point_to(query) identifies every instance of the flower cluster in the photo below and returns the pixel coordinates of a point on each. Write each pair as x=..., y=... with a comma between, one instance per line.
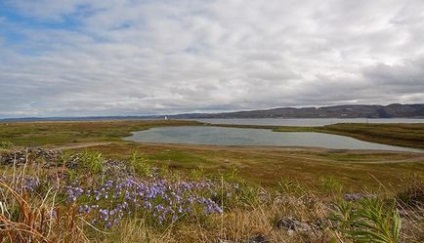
x=160, y=200
x=22, y=184
x=105, y=204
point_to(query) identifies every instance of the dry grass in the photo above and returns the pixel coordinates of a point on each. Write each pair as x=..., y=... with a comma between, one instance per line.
x=136, y=230
x=356, y=170
x=254, y=213
x=407, y=135
x=314, y=179
x=26, y=218
x=59, y=133
x=264, y=165
x=244, y=224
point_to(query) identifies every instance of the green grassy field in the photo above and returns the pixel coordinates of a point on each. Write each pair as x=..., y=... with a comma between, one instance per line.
x=273, y=183
x=257, y=164
x=406, y=135
x=59, y=133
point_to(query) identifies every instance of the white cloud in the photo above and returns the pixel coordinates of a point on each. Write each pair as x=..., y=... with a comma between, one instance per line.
x=135, y=57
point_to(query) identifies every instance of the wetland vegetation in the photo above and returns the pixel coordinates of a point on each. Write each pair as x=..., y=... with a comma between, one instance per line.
x=94, y=186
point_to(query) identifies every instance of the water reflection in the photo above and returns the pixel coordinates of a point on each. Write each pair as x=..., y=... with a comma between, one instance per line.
x=258, y=137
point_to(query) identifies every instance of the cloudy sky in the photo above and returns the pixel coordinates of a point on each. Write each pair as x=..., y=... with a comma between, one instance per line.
x=135, y=57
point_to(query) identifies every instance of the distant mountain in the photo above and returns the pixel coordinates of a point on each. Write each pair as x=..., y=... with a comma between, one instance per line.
x=83, y=118
x=340, y=111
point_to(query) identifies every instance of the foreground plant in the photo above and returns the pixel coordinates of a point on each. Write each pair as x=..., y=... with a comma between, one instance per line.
x=139, y=203
x=30, y=215
x=139, y=165
x=371, y=220
x=92, y=160
x=5, y=145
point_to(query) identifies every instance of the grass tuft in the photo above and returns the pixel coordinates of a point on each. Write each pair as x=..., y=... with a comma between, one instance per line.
x=369, y=220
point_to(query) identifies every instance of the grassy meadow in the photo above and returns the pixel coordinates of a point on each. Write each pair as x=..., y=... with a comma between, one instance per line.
x=97, y=187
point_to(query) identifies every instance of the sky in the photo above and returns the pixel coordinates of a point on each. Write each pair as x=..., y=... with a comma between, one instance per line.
x=140, y=57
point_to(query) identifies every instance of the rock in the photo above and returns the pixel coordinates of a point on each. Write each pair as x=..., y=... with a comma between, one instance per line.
x=116, y=167
x=320, y=224
x=305, y=227
x=35, y=156
x=404, y=213
x=287, y=223
x=356, y=196
x=13, y=158
x=257, y=239
x=226, y=241
x=50, y=158
x=290, y=224
x=353, y=196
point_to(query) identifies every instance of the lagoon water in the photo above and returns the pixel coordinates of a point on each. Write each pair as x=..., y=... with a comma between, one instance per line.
x=307, y=121
x=255, y=137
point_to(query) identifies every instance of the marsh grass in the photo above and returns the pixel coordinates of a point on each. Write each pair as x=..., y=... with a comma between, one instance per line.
x=411, y=204
x=6, y=145
x=92, y=161
x=45, y=133
x=139, y=164
x=307, y=166
x=79, y=205
x=292, y=187
x=413, y=195
x=31, y=210
x=407, y=135
x=136, y=230
x=369, y=220
x=330, y=184
x=245, y=183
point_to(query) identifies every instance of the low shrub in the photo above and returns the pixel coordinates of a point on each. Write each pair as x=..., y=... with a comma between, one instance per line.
x=369, y=220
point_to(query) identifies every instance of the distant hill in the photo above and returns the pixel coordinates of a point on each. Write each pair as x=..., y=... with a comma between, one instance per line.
x=82, y=118
x=340, y=111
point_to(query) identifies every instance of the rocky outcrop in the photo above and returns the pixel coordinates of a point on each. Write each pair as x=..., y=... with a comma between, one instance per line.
x=30, y=155
x=52, y=158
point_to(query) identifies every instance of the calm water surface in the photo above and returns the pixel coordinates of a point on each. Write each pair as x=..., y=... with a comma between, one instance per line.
x=306, y=122
x=258, y=137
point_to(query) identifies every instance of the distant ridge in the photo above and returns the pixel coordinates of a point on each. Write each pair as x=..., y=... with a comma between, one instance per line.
x=340, y=111
x=87, y=118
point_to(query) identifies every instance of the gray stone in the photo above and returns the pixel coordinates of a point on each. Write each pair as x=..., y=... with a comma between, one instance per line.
x=353, y=196
x=288, y=223
x=257, y=239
